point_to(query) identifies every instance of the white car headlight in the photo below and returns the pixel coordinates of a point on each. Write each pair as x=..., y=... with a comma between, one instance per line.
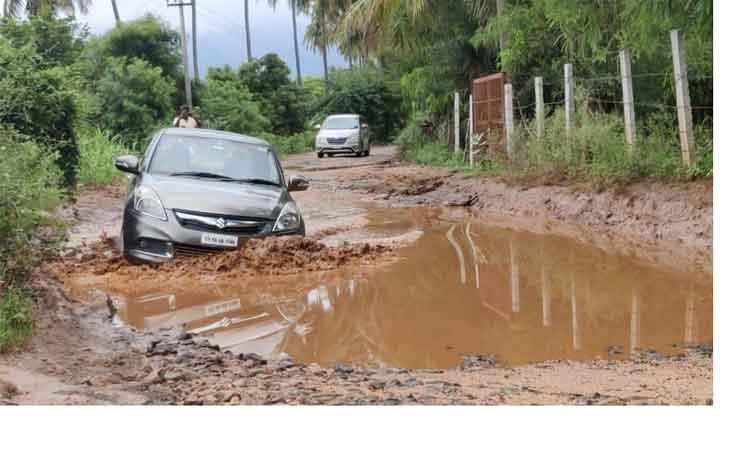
x=289, y=218
x=321, y=141
x=146, y=202
x=353, y=139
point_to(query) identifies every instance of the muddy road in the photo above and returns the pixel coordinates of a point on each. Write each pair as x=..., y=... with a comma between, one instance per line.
x=414, y=286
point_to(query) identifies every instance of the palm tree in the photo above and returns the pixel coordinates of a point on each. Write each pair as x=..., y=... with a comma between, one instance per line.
x=14, y=8
x=322, y=29
x=294, y=4
x=116, y=11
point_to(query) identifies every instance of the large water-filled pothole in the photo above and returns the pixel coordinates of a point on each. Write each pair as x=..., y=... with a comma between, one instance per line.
x=463, y=287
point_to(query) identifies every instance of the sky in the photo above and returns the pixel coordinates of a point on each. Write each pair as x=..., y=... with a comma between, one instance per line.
x=221, y=30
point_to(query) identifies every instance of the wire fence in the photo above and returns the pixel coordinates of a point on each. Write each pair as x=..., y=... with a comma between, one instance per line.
x=594, y=89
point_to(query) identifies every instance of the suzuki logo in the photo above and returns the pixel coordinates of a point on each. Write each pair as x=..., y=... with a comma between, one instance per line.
x=221, y=223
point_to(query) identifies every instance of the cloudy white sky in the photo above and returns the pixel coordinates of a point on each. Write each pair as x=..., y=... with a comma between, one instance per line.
x=221, y=30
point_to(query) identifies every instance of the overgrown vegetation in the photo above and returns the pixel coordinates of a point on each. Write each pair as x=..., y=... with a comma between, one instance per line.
x=29, y=185
x=99, y=149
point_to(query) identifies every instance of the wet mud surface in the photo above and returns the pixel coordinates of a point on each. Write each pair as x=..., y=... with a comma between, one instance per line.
x=408, y=291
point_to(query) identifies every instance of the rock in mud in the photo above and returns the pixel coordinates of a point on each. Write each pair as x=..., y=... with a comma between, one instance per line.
x=8, y=390
x=343, y=370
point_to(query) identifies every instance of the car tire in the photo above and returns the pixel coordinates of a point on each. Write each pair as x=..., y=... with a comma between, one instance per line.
x=367, y=152
x=320, y=155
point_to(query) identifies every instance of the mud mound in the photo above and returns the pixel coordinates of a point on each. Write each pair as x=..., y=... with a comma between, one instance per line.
x=272, y=256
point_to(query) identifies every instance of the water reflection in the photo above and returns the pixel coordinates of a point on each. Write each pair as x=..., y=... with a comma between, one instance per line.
x=578, y=302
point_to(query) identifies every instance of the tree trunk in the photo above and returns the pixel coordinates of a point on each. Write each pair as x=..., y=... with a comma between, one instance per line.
x=117, y=13
x=500, y=6
x=296, y=44
x=325, y=47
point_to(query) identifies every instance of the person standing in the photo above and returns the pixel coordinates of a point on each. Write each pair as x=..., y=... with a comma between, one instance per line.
x=185, y=119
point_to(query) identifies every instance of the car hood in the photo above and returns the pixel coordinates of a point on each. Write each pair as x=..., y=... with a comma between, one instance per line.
x=337, y=133
x=215, y=197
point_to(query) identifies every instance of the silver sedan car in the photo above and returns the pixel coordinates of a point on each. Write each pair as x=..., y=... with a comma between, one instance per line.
x=343, y=134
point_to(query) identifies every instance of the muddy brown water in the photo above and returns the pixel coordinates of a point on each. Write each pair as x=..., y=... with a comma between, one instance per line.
x=464, y=287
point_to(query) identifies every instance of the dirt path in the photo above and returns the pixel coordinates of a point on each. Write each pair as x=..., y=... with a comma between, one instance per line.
x=78, y=357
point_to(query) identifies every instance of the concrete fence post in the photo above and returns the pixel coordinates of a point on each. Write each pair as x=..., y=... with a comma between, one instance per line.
x=569, y=99
x=682, y=90
x=627, y=98
x=456, y=122
x=471, y=130
x=539, y=94
x=509, y=119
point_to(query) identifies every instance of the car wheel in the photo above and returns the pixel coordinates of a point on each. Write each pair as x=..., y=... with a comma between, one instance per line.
x=367, y=152
x=320, y=155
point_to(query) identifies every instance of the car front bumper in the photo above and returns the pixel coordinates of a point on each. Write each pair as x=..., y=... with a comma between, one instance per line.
x=150, y=239
x=334, y=148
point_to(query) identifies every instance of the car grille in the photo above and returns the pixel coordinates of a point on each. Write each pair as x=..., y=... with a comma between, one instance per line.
x=183, y=250
x=337, y=141
x=245, y=226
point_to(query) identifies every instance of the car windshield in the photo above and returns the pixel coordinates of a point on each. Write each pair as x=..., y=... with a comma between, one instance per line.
x=214, y=158
x=341, y=123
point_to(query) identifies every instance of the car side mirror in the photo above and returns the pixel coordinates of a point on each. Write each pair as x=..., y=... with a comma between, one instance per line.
x=298, y=183
x=317, y=126
x=127, y=163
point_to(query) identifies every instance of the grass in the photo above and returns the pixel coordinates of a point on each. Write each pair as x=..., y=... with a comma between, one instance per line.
x=288, y=145
x=16, y=319
x=595, y=153
x=99, y=149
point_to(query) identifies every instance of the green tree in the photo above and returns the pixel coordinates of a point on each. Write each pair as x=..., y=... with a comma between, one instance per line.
x=227, y=105
x=58, y=42
x=147, y=38
x=14, y=8
x=368, y=93
x=281, y=101
x=136, y=97
x=39, y=103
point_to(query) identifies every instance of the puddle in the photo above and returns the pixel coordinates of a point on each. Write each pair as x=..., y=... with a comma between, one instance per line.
x=461, y=288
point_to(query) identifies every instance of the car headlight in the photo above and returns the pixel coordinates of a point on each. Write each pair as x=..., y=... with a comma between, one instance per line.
x=353, y=140
x=321, y=141
x=146, y=202
x=289, y=219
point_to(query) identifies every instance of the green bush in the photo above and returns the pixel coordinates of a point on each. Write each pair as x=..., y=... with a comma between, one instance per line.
x=366, y=92
x=16, y=319
x=135, y=97
x=296, y=143
x=40, y=103
x=228, y=106
x=28, y=186
x=99, y=149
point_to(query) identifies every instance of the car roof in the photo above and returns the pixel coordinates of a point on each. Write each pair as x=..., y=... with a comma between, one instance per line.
x=343, y=115
x=215, y=134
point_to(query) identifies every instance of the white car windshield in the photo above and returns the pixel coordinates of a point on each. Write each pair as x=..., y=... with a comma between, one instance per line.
x=213, y=158
x=341, y=123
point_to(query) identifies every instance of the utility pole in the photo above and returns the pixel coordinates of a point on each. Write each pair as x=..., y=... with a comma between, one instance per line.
x=196, y=75
x=247, y=32
x=185, y=67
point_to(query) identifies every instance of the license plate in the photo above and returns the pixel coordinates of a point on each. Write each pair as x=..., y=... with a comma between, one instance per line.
x=219, y=240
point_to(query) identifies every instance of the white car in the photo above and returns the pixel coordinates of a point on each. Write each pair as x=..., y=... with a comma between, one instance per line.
x=343, y=134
